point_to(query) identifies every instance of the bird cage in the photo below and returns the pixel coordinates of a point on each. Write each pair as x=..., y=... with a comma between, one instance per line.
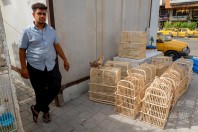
x=131, y=86
x=135, y=46
x=105, y=75
x=171, y=76
x=103, y=83
x=142, y=71
x=96, y=75
x=9, y=109
x=133, y=36
x=127, y=106
x=152, y=69
x=160, y=69
x=164, y=85
x=132, y=54
x=187, y=65
x=175, y=74
x=162, y=60
x=157, y=102
x=124, y=66
x=177, y=71
x=128, y=93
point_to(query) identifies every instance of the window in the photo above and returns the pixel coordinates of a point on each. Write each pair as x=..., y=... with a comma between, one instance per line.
x=195, y=13
x=174, y=13
x=180, y=12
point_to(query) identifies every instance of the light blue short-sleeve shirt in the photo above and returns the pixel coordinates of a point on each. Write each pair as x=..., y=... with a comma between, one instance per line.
x=39, y=45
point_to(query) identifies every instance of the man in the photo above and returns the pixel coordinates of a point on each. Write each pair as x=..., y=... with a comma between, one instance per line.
x=38, y=46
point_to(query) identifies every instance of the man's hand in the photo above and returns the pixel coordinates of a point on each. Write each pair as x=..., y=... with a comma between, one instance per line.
x=66, y=65
x=25, y=73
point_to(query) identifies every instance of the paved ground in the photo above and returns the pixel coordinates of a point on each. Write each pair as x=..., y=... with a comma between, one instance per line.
x=82, y=115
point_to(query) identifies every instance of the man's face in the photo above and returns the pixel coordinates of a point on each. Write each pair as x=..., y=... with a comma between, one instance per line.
x=40, y=16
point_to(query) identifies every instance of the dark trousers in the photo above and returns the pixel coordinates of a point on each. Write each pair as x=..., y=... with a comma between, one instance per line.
x=46, y=85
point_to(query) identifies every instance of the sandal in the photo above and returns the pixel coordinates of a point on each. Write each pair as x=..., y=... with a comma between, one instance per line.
x=34, y=113
x=46, y=117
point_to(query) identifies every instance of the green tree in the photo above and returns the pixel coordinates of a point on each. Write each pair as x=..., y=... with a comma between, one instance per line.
x=183, y=25
x=192, y=25
x=167, y=25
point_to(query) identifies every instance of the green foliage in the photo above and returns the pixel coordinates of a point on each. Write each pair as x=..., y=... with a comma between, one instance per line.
x=167, y=25
x=190, y=25
x=183, y=25
x=176, y=25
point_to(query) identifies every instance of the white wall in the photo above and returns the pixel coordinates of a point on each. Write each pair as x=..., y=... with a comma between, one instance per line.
x=16, y=15
x=90, y=28
x=86, y=28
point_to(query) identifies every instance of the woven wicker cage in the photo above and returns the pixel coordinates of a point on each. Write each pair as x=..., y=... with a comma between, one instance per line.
x=187, y=65
x=131, y=85
x=132, y=54
x=155, y=114
x=160, y=69
x=105, y=75
x=102, y=97
x=157, y=102
x=159, y=92
x=146, y=72
x=162, y=60
x=130, y=110
x=176, y=75
x=124, y=66
x=128, y=95
x=133, y=45
x=103, y=83
x=133, y=36
x=177, y=71
x=152, y=69
x=109, y=90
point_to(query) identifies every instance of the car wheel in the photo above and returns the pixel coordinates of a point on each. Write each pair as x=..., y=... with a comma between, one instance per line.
x=172, y=54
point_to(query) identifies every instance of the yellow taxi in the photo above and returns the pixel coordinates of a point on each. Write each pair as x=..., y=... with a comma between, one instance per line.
x=168, y=31
x=173, y=48
x=195, y=32
x=182, y=32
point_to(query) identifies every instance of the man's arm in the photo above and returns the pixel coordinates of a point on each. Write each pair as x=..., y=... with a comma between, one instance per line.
x=62, y=55
x=22, y=57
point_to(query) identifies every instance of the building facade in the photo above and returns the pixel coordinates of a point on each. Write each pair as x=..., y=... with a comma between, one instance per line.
x=178, y=10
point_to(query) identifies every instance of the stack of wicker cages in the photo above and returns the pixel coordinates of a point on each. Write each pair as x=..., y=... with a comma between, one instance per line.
x=124, y=66
x=128, y=95
x=176, y=75
x=187, y=64
x=147, y=70
x=130, y=91
x=156, y=103
x=161, y=63
x=103, y=83
x=133, y=45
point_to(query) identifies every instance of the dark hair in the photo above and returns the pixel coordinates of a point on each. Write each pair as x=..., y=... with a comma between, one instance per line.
x=39, y=6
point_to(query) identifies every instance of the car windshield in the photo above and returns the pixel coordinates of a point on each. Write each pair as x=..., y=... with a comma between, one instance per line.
x=163, y=37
